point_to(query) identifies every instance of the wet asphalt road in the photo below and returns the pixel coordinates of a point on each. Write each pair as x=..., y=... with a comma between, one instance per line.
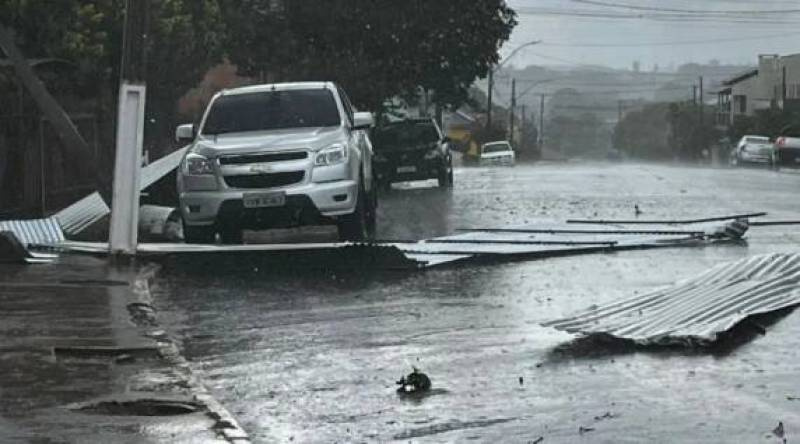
x=314, y=358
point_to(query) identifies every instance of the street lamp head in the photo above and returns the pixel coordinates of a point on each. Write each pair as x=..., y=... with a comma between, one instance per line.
x=515, y=52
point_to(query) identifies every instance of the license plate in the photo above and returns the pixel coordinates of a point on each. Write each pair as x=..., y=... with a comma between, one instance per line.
x=407, y=169
x=265, y=200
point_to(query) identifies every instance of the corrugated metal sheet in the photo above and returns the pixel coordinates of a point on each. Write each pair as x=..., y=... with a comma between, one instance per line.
x=161, y=167
x=697, y=310
x=34, y=232
x=80, y=215
x=13, y=251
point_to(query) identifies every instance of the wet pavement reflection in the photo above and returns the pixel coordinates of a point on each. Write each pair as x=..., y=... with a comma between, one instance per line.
x=314, y=357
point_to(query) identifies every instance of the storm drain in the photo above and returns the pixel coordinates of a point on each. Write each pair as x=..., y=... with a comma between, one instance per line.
x=140, y=407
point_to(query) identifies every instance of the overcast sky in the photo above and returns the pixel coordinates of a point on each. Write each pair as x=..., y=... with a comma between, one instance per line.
x=663, y=32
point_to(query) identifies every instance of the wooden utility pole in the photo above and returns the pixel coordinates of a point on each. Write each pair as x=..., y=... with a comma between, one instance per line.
x=702, y=103
x=513, y=107
x=522, y=124
x=694, y=95
x=783, y=89
x=489, y=99
x=541, y=122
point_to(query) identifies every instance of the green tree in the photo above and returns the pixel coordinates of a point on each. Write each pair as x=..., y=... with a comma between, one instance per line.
x=185, y=39
x=645, y=133
x=376, y=50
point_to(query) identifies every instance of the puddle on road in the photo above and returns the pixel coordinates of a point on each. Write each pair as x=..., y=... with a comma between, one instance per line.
x=140, y=407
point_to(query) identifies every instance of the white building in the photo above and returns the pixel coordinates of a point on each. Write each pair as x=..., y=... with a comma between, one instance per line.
x=776, y=83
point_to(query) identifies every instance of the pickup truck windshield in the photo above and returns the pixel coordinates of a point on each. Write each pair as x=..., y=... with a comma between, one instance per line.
x=406, y=134
x=272, y=110
x=496, y=148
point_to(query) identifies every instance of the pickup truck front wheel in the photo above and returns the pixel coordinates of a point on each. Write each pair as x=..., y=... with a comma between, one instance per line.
x=356, y=226
x=199, y=235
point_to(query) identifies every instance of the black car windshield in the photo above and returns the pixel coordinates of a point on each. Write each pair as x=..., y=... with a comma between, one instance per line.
x=406, y=134
x=272, y=110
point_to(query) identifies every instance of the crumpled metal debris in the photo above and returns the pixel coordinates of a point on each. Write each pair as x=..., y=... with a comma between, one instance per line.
x=696, y=311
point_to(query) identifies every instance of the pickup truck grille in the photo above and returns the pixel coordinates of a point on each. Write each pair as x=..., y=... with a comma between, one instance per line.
x=245, y=159
x=257, y=181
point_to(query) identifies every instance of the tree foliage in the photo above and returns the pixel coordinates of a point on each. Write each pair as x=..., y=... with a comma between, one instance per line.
x=377, y=49
x=663, y=131
x=581, y=135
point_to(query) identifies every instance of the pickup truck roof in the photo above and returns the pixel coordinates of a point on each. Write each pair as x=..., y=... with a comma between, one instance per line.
x=278, y=87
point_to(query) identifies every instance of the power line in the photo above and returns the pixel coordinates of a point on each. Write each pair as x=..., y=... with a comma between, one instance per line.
x=657, y=16
x=673, y=43
x=689, y=11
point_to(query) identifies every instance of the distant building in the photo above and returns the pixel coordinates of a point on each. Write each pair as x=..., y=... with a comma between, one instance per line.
x=775, y=84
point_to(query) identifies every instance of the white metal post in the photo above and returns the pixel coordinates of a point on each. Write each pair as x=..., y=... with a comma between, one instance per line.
x=130, y=136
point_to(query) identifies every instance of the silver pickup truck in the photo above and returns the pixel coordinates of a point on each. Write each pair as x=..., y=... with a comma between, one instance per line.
x=277, y=156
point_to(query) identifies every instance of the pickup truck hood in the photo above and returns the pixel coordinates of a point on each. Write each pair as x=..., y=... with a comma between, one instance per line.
x=409, y=147
x=266, y=141
x=500, y=154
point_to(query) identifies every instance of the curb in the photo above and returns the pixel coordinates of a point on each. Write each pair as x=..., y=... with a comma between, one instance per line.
x=143, y=312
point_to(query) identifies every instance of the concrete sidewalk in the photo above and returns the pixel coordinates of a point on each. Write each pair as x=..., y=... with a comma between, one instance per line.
x=82, y=360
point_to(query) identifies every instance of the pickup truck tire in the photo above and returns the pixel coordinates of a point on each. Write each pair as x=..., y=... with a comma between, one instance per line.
x=450, y=180
x=199, y=235
x=354, y=227
x=445, y=176
x=231, y=234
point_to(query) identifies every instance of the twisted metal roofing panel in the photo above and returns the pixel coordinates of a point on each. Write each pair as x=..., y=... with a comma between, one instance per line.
x=34, y=232
x=80, y=215
x=697, y=310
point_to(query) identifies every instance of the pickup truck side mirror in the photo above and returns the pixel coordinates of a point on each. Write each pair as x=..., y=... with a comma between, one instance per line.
x=363, y=121
x=185, y=133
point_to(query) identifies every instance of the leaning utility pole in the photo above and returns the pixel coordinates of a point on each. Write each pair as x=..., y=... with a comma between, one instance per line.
x=65, y=129
x=123, y=235
x=513, y=107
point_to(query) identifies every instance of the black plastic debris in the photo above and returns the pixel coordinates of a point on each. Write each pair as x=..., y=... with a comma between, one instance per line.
x=415, y=383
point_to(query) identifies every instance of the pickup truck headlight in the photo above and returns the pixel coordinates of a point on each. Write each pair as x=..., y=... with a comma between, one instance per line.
x=333, y=155
x=433, y=154
x=197, y=165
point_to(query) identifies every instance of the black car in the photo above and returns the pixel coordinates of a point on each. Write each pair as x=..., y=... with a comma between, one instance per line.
x=412, y=149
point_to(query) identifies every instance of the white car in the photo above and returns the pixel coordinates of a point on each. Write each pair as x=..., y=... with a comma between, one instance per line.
x=277, y=156
x=753, y=149
x=497, y=153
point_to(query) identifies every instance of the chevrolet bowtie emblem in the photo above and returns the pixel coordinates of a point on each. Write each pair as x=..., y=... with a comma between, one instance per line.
x=260, y=169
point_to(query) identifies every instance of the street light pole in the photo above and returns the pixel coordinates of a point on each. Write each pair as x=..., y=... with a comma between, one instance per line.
x=513, y=108
x=489, y=104
x=491, y=78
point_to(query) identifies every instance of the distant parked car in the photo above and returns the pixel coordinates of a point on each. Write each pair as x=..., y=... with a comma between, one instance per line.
x=786, y=152
x=413, y=149
x=497, y=153
x=753, y=150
